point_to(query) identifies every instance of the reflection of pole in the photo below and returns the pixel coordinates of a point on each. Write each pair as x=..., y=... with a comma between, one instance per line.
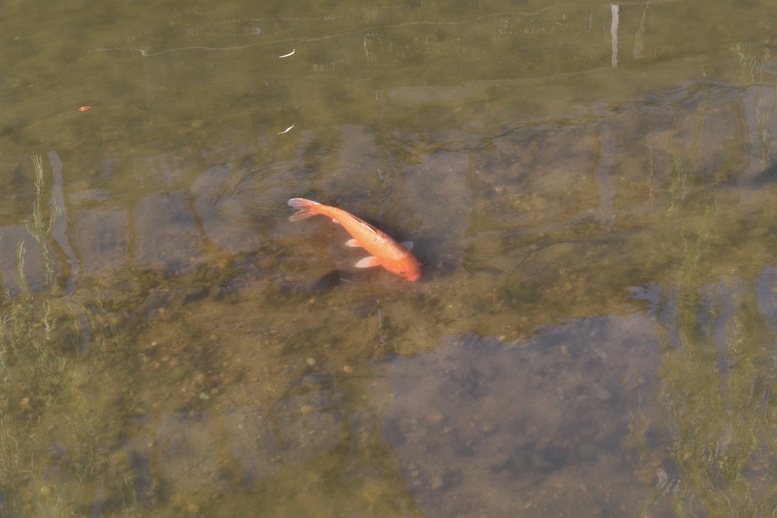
x=614, y=33
x=59, y=231
x=638, y=42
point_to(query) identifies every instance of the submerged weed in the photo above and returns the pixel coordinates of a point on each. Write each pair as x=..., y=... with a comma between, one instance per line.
x=678, y=187
x=54, y=434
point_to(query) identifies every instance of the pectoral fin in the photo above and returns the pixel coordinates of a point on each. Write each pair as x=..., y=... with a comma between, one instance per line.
x=407, y=244
x=368, y=262
x=353, y=243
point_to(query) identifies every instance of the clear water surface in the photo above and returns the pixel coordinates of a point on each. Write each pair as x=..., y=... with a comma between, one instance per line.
x=591, y=191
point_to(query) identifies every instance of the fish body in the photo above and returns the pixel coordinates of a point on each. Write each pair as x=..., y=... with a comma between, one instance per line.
x=384, y=251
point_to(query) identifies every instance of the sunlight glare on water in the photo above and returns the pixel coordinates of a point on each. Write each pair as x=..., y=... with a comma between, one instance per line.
x=590, y=190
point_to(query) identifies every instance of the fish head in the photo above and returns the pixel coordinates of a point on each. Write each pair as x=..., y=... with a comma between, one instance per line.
x=407, y=268
x=413, y=277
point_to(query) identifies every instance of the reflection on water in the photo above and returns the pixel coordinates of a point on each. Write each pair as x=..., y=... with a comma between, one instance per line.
x=594, y=329
x=485, y=428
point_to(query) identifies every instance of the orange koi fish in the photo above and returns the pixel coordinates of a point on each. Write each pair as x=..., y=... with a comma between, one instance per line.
x=385, y=251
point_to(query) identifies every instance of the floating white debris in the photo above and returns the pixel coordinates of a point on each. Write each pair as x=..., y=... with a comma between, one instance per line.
x=287, y=55
x=286, y=130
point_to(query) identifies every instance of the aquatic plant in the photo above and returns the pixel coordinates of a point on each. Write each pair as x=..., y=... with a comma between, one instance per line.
x=54, y=437
x=714, y=408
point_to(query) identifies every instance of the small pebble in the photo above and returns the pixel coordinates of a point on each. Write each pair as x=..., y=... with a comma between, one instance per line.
x=602, y=393
x=268, y=262
x=435, y=418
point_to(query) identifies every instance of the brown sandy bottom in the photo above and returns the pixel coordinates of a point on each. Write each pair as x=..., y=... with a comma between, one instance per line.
x=536, y=428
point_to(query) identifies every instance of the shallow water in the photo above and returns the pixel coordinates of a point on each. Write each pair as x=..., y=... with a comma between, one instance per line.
x=590, y=189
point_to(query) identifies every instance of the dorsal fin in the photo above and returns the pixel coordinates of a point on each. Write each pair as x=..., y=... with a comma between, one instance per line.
x=364, y=223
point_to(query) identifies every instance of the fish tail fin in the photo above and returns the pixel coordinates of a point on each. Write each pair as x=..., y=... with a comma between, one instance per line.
x=305, y=208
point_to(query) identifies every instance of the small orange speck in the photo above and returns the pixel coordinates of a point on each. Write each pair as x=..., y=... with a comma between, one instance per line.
x=84, y=108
